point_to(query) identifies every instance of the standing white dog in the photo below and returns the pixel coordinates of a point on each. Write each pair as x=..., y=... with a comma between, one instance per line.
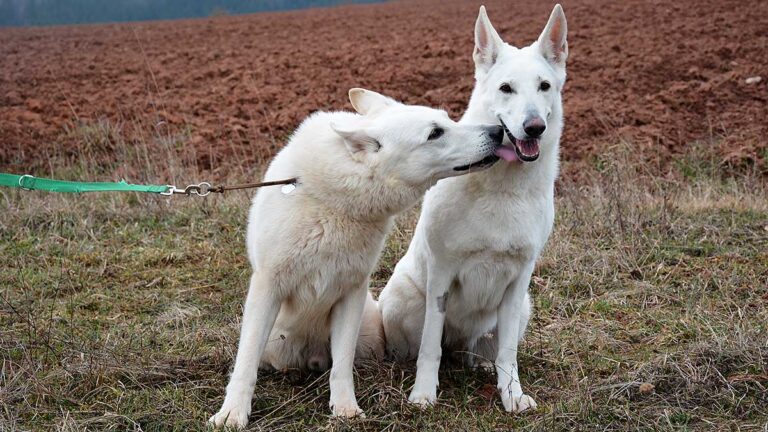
x=467, y=270
x=313, y=249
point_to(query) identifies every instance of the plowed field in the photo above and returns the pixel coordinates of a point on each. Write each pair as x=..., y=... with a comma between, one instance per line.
x=660, y=74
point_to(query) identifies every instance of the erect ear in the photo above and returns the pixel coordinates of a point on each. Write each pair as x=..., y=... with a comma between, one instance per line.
x=368, y=102
x=487, y=42
x=355, y=135
x=552, y=42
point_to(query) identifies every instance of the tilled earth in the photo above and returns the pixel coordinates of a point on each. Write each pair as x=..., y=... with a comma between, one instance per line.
x=658, y=74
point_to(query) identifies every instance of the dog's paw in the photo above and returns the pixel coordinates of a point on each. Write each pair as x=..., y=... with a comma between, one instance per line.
x=231, y=417
x=348, y=410
x=518, y=404
x=485, y=366
x=422, y=399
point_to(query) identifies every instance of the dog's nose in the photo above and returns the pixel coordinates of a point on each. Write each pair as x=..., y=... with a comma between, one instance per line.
x=534, y=127
x=496, y=133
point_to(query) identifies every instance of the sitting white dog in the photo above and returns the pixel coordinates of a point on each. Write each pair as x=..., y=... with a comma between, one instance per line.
x=467, y=270
x=313, y=248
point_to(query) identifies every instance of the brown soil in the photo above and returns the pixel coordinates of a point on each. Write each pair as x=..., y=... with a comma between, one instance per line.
x=662, y=74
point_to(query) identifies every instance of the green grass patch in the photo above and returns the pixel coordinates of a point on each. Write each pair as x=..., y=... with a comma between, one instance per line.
x=121, y=312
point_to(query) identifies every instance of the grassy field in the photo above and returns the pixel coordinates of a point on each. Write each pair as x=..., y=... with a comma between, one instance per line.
x=121, y=312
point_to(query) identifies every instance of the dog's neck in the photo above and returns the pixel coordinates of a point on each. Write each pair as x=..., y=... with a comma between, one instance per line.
x=363, y=195
x=517, y=177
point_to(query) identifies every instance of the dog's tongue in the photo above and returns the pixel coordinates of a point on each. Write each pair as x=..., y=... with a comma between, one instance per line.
x=506, y=153
x=529, y=147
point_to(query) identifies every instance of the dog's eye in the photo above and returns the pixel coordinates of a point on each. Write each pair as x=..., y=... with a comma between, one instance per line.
x=506, y=88
x=544, y=86
x=436, y=133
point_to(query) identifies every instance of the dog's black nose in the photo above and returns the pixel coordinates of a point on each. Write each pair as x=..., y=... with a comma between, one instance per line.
x=496, y=133
x=534, y=127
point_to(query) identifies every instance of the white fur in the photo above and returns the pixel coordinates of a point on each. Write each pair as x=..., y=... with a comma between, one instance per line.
x=313, y=250
x=467, y=269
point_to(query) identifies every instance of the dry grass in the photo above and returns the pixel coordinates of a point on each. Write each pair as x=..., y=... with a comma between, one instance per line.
x=121, y=312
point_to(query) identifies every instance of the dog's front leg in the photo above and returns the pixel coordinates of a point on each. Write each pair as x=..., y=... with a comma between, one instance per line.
x=345, y=327
x=428, y=364
x=510, y=315
x=259, y=313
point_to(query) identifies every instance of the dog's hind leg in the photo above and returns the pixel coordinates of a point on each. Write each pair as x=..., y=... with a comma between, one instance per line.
x=402, y=311
x=345, y=327
x=484, y=352
x=259, y=314
x=486, y=348
x=370, y=341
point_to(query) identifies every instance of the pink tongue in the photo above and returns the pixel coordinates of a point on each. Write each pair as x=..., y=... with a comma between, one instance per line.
x=506, y=153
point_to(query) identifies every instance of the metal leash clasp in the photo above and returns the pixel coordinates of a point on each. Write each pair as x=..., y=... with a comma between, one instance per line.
x=200, y=189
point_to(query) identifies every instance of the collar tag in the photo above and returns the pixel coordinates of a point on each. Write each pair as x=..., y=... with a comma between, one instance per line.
x=287, y=188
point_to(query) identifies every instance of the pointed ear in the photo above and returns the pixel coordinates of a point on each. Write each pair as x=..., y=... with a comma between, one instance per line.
x=368, y=102
x=552, y=42
x=487, y=42
x=355, y=136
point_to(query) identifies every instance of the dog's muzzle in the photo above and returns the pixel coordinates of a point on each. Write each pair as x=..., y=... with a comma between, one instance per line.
x=526, y=150
x=482, y=163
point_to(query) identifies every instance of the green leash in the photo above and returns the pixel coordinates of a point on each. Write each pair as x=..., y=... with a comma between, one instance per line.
x=28, y=182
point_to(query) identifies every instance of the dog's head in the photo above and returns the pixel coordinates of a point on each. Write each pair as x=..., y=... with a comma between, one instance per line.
x=414, y=144
x=521, y=86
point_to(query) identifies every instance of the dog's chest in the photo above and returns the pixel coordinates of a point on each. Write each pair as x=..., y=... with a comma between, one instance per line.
x=496, y=247
x=328, y=259
x=502, y=232
x=483, y=275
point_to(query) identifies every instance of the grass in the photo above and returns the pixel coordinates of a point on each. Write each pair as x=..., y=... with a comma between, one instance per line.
x=121, y=312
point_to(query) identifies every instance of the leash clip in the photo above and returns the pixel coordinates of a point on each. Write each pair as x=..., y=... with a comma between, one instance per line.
x=200, y=189
x=171, y=190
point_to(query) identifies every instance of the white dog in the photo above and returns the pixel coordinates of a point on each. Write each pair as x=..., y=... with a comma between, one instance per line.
x=467, y=270
x=313, y=249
